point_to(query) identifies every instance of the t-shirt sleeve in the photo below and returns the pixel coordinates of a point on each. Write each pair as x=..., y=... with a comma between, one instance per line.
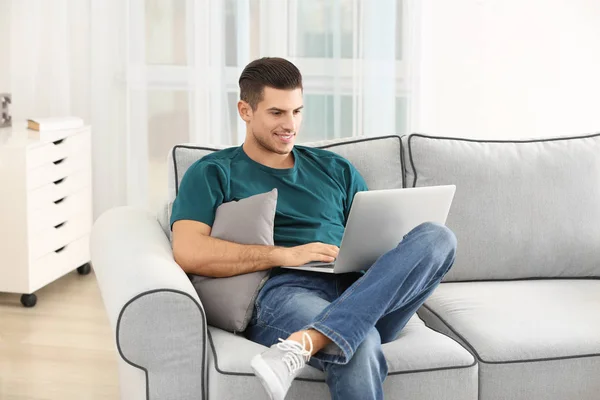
x=201, y=191
x=354, y=183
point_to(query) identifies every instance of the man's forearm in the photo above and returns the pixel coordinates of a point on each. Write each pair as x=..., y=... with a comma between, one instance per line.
x=219, y=258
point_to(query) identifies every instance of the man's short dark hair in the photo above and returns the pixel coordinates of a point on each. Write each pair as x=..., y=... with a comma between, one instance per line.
x=273, y=72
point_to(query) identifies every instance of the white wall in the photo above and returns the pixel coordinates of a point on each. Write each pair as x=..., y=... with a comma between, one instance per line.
x=509, y=68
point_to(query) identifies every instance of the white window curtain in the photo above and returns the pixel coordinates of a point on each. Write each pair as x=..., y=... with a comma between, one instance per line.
x=63, y=57
x=45, y=53
x=185, y=58
x=149, y=74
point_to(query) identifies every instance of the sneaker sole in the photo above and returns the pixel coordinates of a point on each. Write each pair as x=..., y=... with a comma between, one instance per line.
x=268, y=378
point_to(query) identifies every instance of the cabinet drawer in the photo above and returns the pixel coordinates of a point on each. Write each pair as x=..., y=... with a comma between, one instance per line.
x=53, y=213
x=46, y=195
x=55, y=264
x=53, y=172
x=57, y=150
x=53, y=239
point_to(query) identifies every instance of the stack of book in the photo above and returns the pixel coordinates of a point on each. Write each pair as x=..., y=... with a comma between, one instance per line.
x=52, y=128
x=54, y=123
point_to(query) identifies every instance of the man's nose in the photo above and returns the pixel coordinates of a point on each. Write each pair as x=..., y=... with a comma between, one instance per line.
x=289, y=123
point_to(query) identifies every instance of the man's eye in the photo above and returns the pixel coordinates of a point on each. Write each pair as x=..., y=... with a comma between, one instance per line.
x=297, y=112
x=275, y=113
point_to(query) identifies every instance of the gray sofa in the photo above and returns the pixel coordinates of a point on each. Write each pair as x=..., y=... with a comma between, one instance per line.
x=517, y=317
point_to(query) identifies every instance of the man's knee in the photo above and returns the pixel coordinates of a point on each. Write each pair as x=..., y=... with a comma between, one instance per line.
x=437, y=235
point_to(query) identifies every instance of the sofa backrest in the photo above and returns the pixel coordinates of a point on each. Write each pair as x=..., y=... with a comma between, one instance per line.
x=522, y=209
x=378, y=159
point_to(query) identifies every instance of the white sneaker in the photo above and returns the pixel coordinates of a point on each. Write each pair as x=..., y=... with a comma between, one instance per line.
x=278, y=367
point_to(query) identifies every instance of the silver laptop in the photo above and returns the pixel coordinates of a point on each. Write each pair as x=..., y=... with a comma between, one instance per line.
x=379, y=220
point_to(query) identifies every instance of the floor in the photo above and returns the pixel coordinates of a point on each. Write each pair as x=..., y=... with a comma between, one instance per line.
x=60, y=349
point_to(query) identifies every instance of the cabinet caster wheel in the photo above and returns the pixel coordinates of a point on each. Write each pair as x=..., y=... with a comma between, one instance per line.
x=84, y=269
x=28, y=300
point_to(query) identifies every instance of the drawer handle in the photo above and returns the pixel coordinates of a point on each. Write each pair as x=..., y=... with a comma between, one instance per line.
x=60, y=225
x=58, y=182
x=59, y=250
x=60, y=200
x=59, y=142
x=59, y=161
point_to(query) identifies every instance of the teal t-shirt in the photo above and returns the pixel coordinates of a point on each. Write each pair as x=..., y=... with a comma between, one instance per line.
x=314, y=197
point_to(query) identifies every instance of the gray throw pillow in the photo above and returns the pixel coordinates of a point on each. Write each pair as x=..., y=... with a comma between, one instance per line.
x=229, y=302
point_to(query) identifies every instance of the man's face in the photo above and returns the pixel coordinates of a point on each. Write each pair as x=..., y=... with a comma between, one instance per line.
x=276, y=120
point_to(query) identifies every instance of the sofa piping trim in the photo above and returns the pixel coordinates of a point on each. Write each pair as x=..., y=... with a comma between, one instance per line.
x=504, y=362
x=202, y=384
x=220, y=371
x=402, y=164
x=412, y=164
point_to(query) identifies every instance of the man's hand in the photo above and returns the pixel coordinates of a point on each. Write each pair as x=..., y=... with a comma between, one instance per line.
x=300, y=255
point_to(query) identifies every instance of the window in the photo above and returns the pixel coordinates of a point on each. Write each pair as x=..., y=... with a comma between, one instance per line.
x=185, y=59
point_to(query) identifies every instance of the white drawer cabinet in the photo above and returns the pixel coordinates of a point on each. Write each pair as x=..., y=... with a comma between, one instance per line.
x=46, y=208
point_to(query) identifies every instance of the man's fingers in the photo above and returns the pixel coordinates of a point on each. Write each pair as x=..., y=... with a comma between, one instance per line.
x=328, y=249
x=318, y=256
x=333, y=251
x=324, y=258
x=328, y=253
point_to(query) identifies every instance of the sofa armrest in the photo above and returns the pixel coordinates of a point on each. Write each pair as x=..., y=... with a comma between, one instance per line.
x=154, y=311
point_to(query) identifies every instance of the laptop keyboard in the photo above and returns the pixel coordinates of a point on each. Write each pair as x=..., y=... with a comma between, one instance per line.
x=318, y=264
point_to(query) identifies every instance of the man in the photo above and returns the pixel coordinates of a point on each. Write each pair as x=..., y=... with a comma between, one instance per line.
x=336, y=323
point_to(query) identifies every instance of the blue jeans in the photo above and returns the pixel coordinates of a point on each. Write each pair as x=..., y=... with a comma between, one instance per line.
x=357, y=311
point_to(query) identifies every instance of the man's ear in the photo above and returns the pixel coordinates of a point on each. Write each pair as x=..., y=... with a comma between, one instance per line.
x=244, y=110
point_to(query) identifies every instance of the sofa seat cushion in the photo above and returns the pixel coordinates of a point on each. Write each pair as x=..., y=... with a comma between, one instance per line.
x=535, y=339
x=419, y=350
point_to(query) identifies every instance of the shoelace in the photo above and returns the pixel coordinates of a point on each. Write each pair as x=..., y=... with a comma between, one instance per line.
x=296, y=355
